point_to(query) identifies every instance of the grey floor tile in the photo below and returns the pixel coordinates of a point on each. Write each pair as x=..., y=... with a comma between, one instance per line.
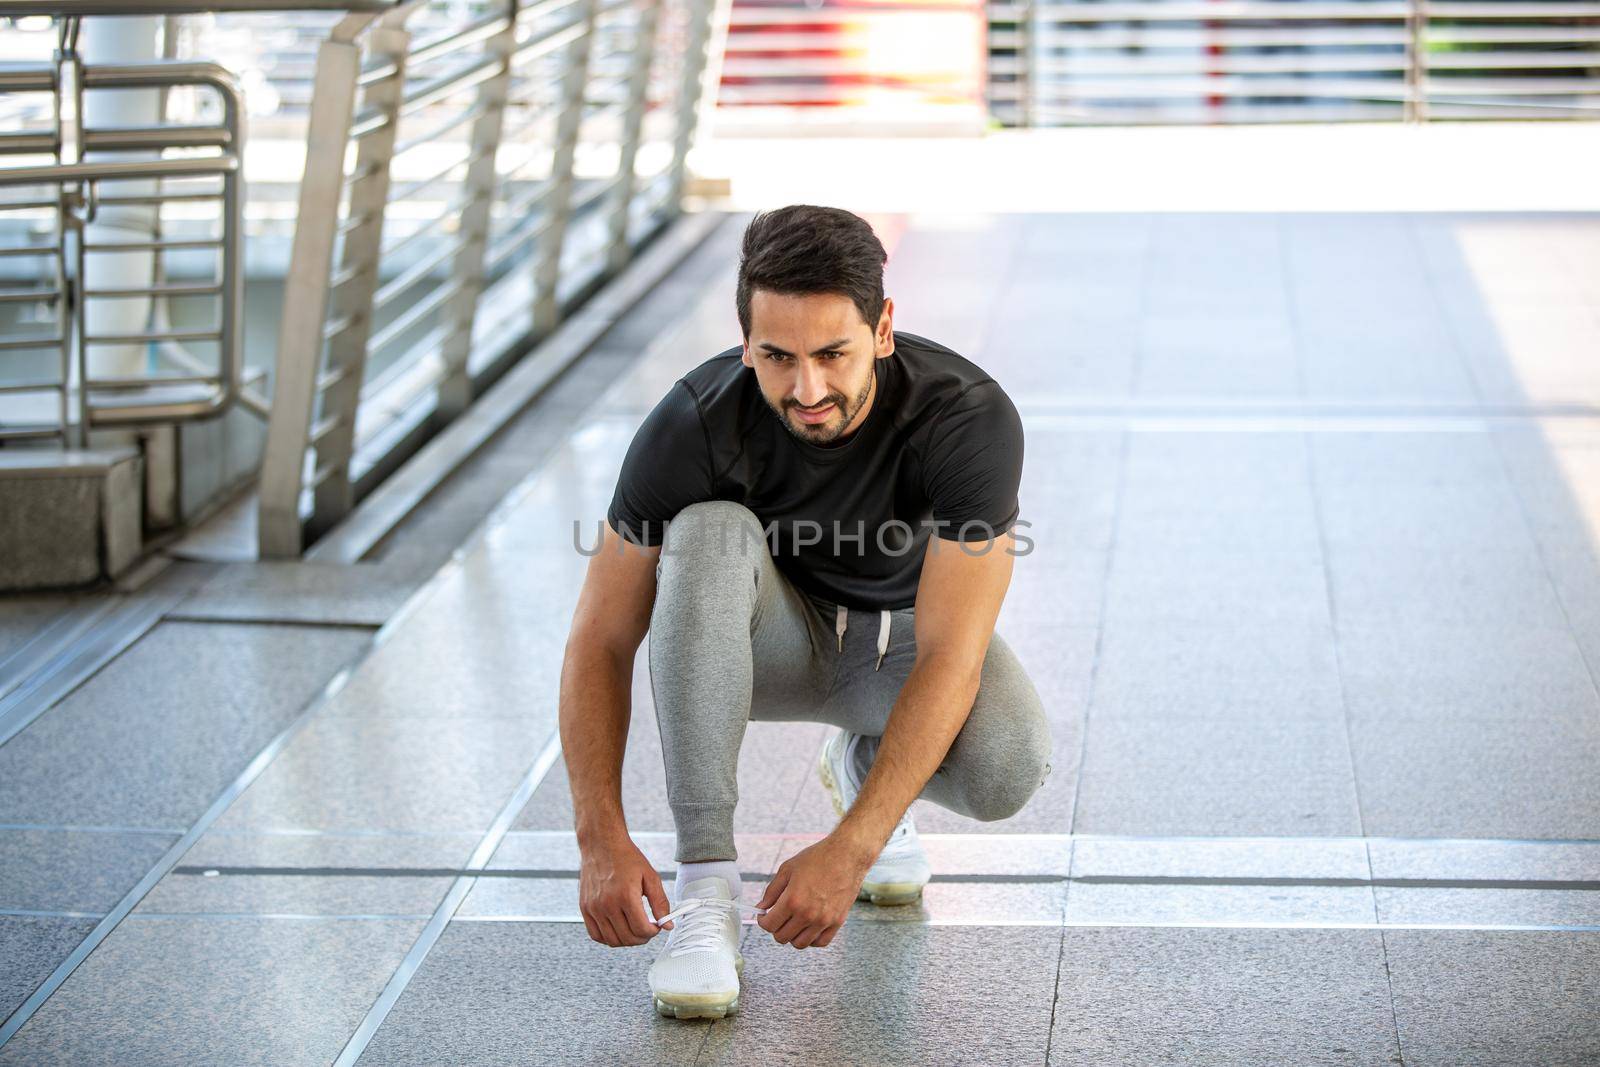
x=333, y=882
x=1216, y=462
x=1504, y=863
x=1464, y=518
x=505, y=993
x=152, y=738
x=361, y=594
x=1235, y=996
x=1138, y=880
x=1219, y=776
x=1217, y=584
x=1393, y=585
x=894, y=993
x=1054, y=589
x=1406, y=460
x=1480, y=996
x=1478, y=778
x=74, y=870
x=1460, y=672
x=391, y=774
x=1169, y=669
x=31, y=948
x=162, y=991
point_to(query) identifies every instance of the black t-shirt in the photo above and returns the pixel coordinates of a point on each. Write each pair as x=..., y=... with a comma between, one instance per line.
x=940, y=450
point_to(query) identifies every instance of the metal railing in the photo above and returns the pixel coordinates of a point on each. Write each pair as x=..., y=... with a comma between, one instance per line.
x=464, y=186
x=1057, y=62
x=61, y=197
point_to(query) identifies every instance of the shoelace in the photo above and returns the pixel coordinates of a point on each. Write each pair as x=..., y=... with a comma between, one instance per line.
x=701, y=927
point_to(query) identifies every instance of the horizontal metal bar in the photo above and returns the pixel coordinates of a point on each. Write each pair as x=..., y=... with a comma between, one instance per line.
x=330, y=378
x=428, y=138
x=28, y=78
x=162, y=198
x=32, y=385
x=26, y=296
x=152, y=246
x=322, y=428
x=430, y=93
x=166, y=289
x=152, y=380
x=401, y=193
x=452, y=212
x=413, y=274
x=30, y=250
x=408, y=319
x=1117, y=37
x=161, y=335
x=74, y=8
x=29, y=143
x=55, y=174
x=139, y=138
x=17, y=344
x=457, y=39
x=550, y=42
x=31, y=433
x=339, y=325
x=373, y=75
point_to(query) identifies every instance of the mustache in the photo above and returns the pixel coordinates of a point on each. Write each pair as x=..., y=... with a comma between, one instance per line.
x=835, y=399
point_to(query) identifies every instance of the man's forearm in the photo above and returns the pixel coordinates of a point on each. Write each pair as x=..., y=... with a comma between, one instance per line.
x=932, y=707
x=595, y=706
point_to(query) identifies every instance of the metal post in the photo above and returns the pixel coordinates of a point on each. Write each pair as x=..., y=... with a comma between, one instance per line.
x=547, y=269
x=279, y=533
x=644, y=50
x=1416, y=104
x=689, y=93
x=478, y=191
x=350, y=316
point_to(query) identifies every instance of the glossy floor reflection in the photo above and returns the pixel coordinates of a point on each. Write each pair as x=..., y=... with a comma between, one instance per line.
x=1314, y=608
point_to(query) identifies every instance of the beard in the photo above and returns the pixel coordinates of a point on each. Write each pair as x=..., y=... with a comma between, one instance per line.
x=826, y=432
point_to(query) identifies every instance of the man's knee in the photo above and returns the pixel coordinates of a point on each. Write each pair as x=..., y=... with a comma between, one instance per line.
x=710, y=531
x=1025, y=764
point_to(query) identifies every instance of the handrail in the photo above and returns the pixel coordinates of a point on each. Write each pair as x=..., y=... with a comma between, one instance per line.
x=387, y=325
x=78, y=192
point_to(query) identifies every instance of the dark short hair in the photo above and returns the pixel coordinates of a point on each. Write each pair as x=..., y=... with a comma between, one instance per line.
x=804, y=248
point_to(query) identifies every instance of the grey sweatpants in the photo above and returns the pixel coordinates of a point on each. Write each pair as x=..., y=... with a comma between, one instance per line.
x=732, y=639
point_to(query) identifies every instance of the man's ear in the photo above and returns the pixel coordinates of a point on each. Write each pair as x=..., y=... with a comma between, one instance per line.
x=883, y=337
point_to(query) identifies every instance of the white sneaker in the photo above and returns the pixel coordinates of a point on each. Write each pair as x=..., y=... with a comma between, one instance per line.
x=901, y=869
x=696, y=975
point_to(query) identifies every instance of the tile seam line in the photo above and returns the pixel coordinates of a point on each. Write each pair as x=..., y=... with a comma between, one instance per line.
x=542, y=874
x=499, y=515
x=446, y=910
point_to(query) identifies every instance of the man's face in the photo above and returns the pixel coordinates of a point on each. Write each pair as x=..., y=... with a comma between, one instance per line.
x=813, y=356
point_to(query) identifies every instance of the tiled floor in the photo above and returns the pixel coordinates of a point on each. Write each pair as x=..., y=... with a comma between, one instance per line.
x=1314, y=607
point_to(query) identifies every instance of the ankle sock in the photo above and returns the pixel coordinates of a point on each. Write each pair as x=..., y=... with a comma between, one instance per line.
x=725, y=869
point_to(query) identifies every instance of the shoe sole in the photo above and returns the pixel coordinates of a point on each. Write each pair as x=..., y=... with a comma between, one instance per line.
x=700, y=1005
x=883, y=894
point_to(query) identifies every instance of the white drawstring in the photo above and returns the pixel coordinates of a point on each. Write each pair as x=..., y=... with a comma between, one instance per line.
x=883, y=631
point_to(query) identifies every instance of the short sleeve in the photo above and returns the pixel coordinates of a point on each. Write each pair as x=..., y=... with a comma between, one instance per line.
x=973, y=465
x=667, y=468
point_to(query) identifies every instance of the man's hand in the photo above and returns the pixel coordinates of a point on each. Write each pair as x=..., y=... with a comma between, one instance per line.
x=611, y=882
x=810, y=895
